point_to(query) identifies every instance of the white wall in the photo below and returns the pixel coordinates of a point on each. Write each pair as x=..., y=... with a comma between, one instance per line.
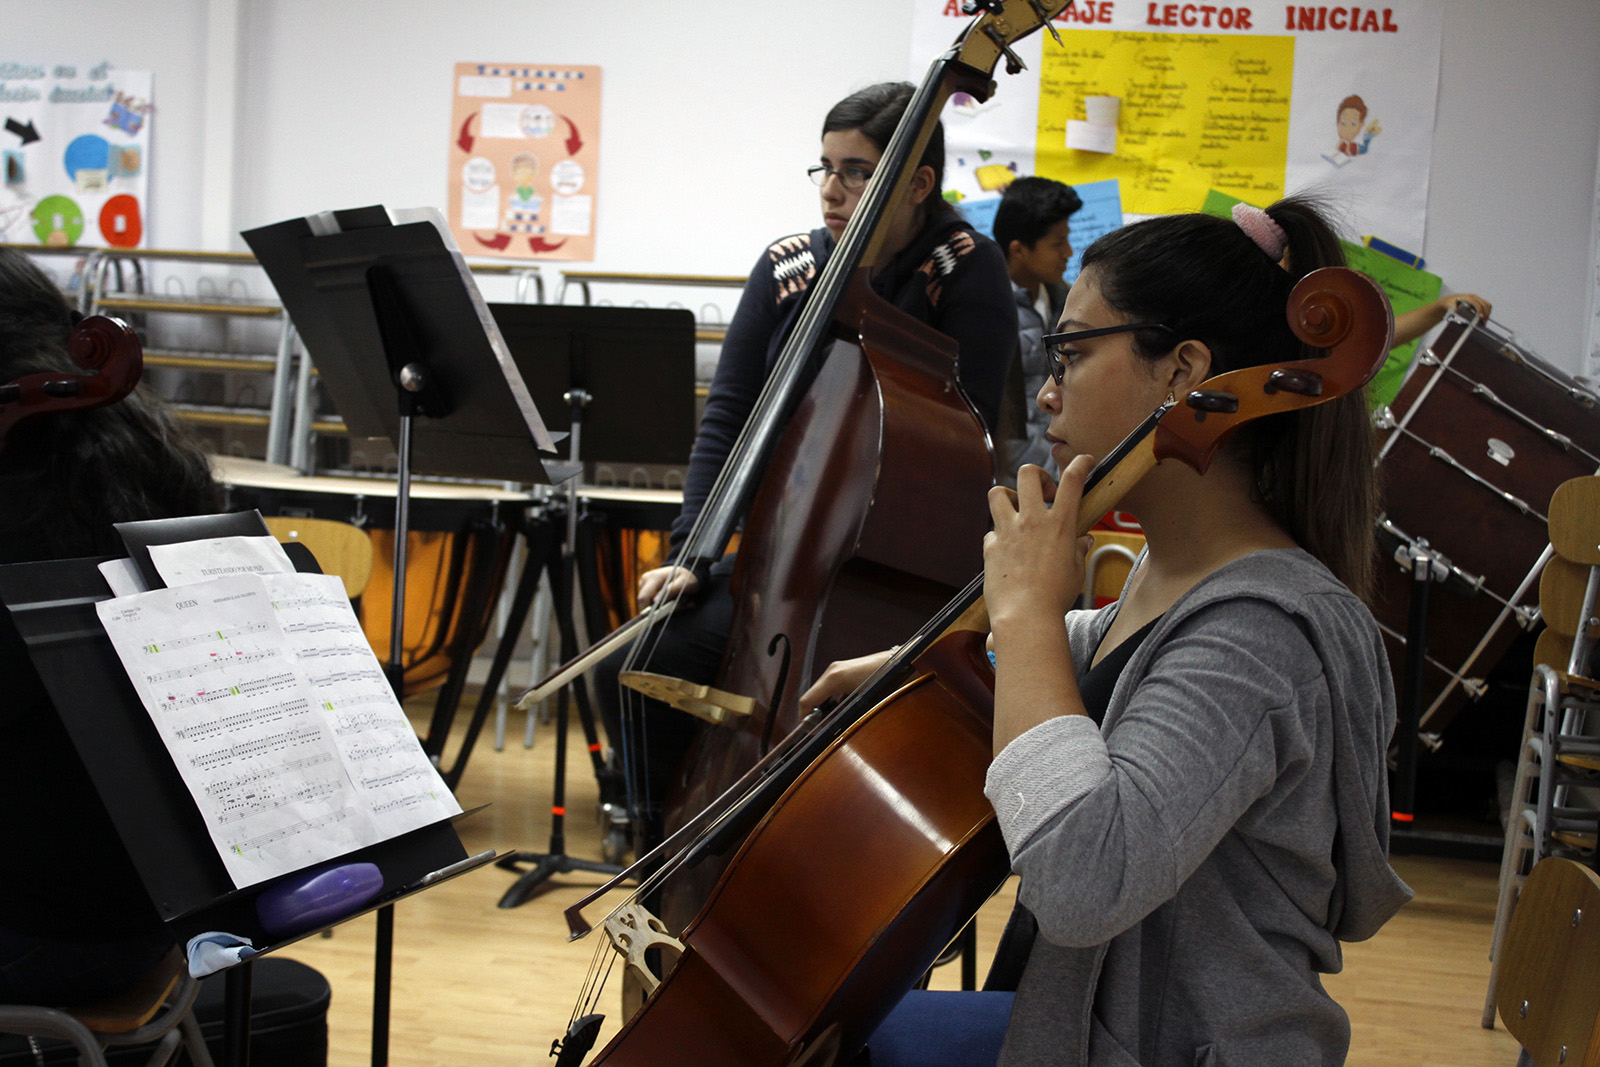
x=711, y=111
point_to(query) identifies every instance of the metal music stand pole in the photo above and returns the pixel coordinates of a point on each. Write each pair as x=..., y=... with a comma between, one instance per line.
x=562, y=571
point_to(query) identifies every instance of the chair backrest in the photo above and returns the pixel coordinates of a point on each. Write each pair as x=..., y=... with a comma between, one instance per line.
x=1109, y=563
x=1575, y=520
x=340, y=548
x=1548, y=987
x=1570, y=584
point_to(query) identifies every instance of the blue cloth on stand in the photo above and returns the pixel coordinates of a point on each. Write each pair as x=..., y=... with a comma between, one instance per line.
x=938, y=1028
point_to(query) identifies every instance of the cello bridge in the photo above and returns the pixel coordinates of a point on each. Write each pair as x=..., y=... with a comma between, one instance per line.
x=633, y=931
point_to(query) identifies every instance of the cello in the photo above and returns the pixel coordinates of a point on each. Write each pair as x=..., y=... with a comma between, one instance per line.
x=793, y=962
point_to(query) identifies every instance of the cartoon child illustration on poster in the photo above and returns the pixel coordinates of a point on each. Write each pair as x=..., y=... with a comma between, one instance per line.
x=524, y=168
x=1353, y=140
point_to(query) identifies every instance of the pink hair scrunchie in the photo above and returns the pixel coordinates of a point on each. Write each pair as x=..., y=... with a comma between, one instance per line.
x=1259, y=227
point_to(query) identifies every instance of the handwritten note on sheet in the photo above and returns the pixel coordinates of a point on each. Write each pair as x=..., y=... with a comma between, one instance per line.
x=1198, y=113
x=278, y=718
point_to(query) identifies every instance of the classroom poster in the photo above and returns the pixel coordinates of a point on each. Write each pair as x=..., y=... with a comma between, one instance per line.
x=524, y=160
x=1173, y=100
x=74, y=155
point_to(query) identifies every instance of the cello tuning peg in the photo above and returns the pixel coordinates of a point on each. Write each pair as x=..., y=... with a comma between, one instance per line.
x=1299, y=381
x=1212, y=400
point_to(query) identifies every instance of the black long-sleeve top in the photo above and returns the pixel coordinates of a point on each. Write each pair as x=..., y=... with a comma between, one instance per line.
x=950, y=276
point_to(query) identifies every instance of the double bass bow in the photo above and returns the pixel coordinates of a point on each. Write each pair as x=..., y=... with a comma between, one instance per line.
x=793, y=962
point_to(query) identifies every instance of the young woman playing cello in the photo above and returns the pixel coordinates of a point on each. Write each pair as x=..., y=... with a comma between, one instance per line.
x=1190, y=781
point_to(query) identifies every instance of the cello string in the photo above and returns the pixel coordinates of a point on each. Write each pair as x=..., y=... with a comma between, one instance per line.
x=848, y=709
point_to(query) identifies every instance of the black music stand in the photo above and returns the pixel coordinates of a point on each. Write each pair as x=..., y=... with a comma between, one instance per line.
x=389, y=312
x=627, y=377
x=52, y=607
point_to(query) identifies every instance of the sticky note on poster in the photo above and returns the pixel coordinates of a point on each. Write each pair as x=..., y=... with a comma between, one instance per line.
x=1091, y=137
x=1197, y=112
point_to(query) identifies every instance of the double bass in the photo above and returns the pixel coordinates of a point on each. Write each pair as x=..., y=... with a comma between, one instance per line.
x=794, y=960
x=834, y=560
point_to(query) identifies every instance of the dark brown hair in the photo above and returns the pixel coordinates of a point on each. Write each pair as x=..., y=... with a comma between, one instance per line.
x=1206, y=278
x=65, y=478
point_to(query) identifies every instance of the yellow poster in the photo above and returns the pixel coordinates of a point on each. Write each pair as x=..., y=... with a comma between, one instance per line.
x=1170, y=115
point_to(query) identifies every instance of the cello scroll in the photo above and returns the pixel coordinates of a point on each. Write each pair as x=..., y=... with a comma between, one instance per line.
x=106, y=348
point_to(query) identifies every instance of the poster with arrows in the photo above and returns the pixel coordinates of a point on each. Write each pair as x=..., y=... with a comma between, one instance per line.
x=524, y=160
x=74, y=155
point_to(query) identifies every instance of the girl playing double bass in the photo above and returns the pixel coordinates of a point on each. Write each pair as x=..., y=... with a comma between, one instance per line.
x=1190, y=781
x=939, y=270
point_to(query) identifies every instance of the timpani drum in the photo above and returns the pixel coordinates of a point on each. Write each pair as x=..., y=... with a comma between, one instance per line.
x=1470, y=452
x=457, y=548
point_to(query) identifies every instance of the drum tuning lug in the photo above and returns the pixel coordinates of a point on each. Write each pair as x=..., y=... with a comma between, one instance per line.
x=1527, y=617
x=1474, y=687
x=1212, y=400
x=1562, y=441
x=1428, y=359
x=1383, y=418
x=1300, y=382
x=1431, y=741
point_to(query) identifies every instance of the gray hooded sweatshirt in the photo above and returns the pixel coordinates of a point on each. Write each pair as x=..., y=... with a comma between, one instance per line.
x=1194, y=863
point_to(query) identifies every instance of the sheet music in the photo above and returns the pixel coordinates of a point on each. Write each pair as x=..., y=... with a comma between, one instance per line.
x=188, y=562
x=278, y=718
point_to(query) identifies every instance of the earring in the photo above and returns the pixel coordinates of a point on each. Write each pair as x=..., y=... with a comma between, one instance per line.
x=1170, y=398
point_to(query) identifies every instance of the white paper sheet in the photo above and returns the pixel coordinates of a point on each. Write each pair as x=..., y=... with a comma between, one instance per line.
x=189, y=562
x=278, y=718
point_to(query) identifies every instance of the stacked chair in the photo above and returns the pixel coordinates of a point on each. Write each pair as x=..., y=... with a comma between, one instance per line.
x=1555, y=804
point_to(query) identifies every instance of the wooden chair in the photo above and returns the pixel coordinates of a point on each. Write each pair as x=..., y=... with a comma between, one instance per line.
x=1108, y=565
x=160, y=1008
x=1549, y=980
x=340, y=548
x=1555, y=803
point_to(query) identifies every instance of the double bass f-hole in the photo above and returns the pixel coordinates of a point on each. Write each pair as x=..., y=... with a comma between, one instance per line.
x=778, y=685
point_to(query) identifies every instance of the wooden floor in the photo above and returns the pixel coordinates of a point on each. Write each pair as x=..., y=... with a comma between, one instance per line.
x=477, y=984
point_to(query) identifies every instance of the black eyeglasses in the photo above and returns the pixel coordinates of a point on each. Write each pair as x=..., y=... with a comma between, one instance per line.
x=852, y=178
x=1053, y=342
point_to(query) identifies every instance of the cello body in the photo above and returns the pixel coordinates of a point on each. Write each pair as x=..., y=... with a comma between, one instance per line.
x=798, y=963
x=837, y=559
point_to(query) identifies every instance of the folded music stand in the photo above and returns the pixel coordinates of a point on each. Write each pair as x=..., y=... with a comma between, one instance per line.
x=627, y=377
x=52, y=607
x=389, y=313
